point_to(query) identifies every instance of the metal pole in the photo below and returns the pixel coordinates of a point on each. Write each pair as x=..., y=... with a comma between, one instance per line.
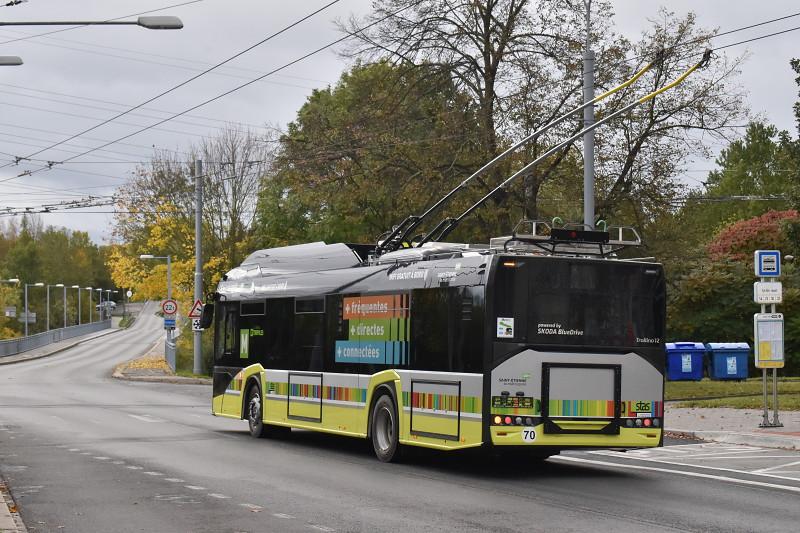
x=26, y=309
x=588, y=120
x=79, y=306
x=65, y=306
x=169, y=345
x=198, y=260
x=765, y=419
x=90, y=305
x=775, y=421
x=47, y=288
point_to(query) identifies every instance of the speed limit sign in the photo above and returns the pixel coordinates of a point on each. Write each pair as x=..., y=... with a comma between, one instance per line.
x=170, y=307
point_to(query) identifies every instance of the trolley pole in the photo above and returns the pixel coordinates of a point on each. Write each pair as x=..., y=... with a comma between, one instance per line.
x=588, y=120
x=198, y=260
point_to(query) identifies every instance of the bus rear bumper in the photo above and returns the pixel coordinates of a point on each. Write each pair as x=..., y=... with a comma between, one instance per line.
x=535, y=436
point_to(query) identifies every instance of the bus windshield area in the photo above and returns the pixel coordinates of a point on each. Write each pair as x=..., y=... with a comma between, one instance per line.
x=579, y=302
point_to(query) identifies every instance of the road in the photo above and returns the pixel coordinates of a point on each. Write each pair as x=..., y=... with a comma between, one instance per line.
x=84, y=453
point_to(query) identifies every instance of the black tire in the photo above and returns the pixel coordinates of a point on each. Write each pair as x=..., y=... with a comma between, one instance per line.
x=255, y=413
x=385, y=431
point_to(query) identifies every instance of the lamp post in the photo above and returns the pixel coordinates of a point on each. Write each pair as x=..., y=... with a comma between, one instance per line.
x=100, y=303
x=48, y=304
x=27, y=316
x=10, y=61
x=169, y=346
x=90, y=303
x=79, y=303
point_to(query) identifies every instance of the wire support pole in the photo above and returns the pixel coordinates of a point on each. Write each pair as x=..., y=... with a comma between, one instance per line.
x=198, y=260
x=588, y=120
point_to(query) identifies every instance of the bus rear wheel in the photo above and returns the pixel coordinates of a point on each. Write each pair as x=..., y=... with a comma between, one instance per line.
x=385, y=430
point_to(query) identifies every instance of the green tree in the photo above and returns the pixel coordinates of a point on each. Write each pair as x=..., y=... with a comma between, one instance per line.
x=384, y=143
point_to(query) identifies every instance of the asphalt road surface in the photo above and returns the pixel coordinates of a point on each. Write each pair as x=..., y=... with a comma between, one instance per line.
x=85, y=453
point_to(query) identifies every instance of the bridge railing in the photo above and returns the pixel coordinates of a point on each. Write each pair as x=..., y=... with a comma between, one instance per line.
x=24, y=344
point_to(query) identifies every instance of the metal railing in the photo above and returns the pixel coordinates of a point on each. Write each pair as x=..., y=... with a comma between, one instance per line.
x=23, y=344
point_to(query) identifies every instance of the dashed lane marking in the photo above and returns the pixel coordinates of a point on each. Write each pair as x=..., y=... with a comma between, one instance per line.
x=153, y=473
x=283, y=515
x=131, y=467
x=320, y=528
x=102, y=458
x=251, y=506
x=194, y=487
x=219, y=496
x=174, y=479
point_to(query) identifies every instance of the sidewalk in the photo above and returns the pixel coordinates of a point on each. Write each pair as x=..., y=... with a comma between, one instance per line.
x=10, y=521
x=733, y=426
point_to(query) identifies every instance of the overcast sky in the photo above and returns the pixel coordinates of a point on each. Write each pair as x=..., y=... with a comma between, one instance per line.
x=75, y=79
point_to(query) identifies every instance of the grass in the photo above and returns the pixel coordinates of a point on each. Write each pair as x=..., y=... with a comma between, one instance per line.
x=747, y=394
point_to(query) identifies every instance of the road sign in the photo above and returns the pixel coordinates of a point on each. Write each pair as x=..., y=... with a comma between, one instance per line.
x=196, y=325
x=170, y=307
x=197, y=310
x=169, y=323
x=768, y=334
x=765, y=292
x=129, y=293
x=768, y=263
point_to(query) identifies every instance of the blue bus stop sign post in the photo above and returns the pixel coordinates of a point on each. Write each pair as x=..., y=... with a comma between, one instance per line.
x=768, y=327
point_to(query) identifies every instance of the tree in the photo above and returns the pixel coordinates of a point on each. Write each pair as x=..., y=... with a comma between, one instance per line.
x=156, y=213
x=520, y=63
x=384, y=143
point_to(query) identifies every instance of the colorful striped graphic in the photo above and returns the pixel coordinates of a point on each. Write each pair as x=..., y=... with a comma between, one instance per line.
x=342, y=394
x=442, y=402
x=378, y=330
x=587, y=408
x=642, y=407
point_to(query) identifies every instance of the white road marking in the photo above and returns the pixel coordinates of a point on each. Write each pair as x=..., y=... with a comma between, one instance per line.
x=320, y=528
x=219, y=496
x=174, y=479
x=251, y=506
x=146, y=418
x=716, y=468
x=134, y=467
x=194, y=487
x=102, y=458
x=86, y=453
x=153, y=473
x=74, y=449
x=282, y=515
x=779, y=467
x=681, y=472
x=118, y=462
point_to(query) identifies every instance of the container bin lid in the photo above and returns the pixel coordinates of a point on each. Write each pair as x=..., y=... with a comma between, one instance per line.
x=686, y=346
x=720, y=346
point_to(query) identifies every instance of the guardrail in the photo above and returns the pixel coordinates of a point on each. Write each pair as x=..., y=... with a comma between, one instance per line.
x=23, y=344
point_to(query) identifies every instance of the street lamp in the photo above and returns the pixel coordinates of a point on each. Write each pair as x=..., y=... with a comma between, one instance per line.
x=151, y=23
x=90, y=303
x=48, y=304
x=169, y=346
x=10, y=61
x=79, y=302
x=27, y=315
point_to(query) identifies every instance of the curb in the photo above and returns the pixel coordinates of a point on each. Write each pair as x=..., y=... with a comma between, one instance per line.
x=10, y=520
x=60, y=349
x=178, y=380
x=747, y=439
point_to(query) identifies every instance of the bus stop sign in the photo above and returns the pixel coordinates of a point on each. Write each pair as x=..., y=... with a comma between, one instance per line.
x=768, y=263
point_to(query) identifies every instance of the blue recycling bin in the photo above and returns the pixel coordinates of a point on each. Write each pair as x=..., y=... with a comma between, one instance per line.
x=728, y=360
x=685, y=361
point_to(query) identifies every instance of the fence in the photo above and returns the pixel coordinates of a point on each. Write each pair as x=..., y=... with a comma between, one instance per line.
x=23, y=344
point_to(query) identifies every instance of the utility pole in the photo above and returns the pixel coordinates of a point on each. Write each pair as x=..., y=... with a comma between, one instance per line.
x=198, y=259
x=588, y=120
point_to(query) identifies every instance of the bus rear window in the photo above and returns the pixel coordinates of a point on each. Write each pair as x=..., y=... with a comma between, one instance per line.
x=576, y=302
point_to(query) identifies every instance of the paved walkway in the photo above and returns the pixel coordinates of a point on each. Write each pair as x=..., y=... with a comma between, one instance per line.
x=734, y=426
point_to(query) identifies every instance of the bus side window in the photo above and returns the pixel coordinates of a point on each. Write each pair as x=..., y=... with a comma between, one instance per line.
x=278, y=332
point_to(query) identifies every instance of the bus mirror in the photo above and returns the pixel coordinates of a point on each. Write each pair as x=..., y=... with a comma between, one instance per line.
x=207, y=317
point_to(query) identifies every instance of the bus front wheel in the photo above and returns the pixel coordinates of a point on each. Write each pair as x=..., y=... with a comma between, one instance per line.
x=255, y=417
x=385, y=429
